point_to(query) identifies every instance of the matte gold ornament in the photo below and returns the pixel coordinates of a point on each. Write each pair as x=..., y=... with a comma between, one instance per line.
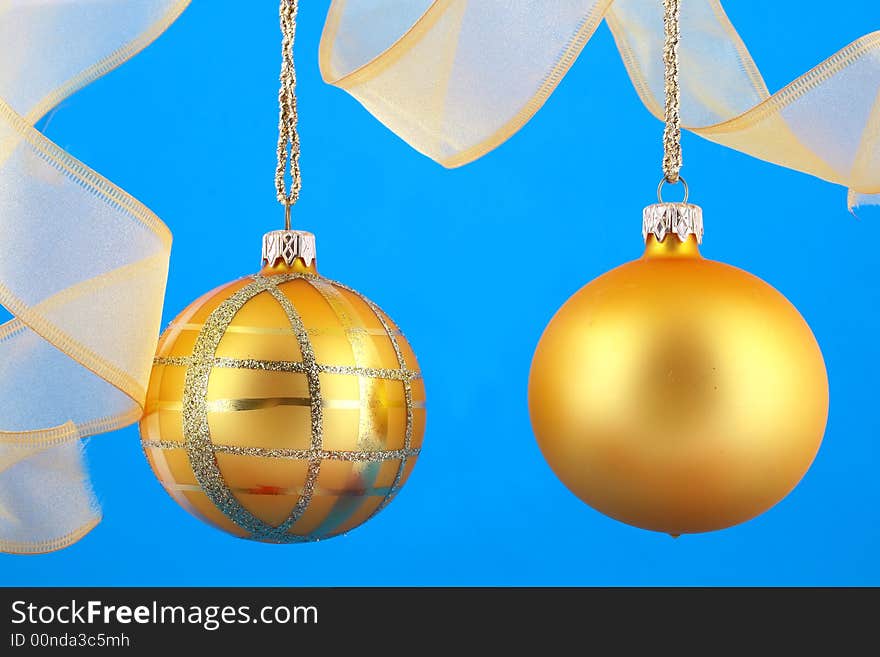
x=675, y=393
x=284, y=407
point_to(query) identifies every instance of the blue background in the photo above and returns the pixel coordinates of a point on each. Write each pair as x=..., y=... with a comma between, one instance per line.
x=188, y=127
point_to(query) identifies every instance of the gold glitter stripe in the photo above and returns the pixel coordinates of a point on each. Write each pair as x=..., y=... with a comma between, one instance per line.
x=318, y=490
x=345, y=314
x=264, y=365
x=317, y=410
x=373, y=372
x=259, y=330
x=373, y=415
x=287, y=366
x=295, y=454
x=330, y=455
x=197, y=433
x=407, y=391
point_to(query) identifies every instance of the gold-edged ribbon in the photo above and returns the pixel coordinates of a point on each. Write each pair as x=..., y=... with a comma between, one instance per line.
x=83, y=267
x=456, y=78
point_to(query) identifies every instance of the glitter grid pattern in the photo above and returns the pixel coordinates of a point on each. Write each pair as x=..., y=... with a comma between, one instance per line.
x=202, y=449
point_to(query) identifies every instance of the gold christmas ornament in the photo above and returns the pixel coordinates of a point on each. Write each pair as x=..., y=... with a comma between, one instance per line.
x=676, y=393
x=284, y=407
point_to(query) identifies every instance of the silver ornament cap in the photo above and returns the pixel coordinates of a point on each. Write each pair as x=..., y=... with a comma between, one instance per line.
x=287, y=246
x=678, y=219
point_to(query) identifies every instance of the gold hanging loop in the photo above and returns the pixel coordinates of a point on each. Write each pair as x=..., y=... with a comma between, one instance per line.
x=663, y=181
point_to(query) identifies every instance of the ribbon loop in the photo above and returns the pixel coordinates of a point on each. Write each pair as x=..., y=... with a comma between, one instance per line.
x=455, y=78
x=83, y=270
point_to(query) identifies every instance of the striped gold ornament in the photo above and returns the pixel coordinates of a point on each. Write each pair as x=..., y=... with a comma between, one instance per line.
x=284, y=407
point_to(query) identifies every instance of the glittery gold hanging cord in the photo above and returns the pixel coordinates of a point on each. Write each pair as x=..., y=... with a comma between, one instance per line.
x=288, y=138
x=672, y=131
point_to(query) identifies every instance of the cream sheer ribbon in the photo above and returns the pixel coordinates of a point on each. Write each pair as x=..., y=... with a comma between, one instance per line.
x=83, y=267
x=456, y=78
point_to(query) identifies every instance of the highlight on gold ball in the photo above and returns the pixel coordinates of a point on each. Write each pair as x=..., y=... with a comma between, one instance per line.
x=284, y=407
